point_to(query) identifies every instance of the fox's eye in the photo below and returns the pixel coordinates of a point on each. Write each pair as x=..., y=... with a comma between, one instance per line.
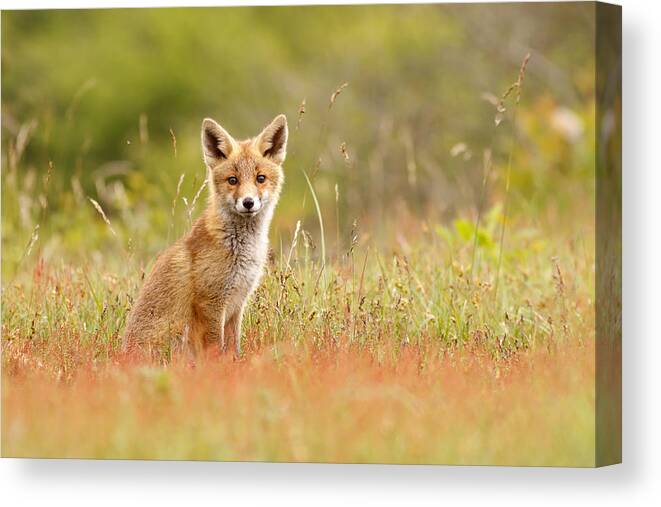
x=261, y=178
x=232, y=180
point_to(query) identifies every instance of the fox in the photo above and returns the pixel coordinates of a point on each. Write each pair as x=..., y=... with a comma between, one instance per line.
x=199, y=287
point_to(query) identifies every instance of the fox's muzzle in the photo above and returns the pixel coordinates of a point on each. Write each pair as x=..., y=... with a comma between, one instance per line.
x=248, y=205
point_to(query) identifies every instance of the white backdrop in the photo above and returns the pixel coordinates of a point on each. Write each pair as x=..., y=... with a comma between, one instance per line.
x=637, y=481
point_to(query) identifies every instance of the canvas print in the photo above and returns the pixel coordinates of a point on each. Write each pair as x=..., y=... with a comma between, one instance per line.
x=338, y=234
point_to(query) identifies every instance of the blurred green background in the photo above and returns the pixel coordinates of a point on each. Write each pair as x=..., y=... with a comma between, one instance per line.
x=100, y=96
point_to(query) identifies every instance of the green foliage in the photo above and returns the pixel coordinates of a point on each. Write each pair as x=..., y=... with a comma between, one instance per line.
x=101, y=93
x=421, y=296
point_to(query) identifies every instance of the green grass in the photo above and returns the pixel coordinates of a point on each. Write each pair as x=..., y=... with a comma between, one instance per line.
x=374, y=356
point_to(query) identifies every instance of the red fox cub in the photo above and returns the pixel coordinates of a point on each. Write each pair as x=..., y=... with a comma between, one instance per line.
x=198, y=288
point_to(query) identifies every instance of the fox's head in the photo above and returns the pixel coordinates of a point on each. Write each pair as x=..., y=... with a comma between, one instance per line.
x=245, y=177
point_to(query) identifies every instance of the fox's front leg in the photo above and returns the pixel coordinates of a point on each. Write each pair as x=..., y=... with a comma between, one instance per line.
x=208, y=326
x=233, y=328
x=221, y=329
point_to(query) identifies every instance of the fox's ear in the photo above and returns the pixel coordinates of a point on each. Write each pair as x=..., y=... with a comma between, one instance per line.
x=217, y=144
x=272, y=142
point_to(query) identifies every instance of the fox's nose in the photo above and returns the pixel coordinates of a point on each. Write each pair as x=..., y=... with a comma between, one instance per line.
x=248, y=203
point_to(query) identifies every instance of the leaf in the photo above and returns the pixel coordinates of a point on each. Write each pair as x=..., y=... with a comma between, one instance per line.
x=466, y=231
x=464, y=228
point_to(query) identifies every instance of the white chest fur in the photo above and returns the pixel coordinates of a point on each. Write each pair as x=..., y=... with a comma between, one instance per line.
x=246, y=244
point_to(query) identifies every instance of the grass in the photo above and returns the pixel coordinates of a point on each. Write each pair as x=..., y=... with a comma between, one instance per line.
x=373, y=357
x=326, y=405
